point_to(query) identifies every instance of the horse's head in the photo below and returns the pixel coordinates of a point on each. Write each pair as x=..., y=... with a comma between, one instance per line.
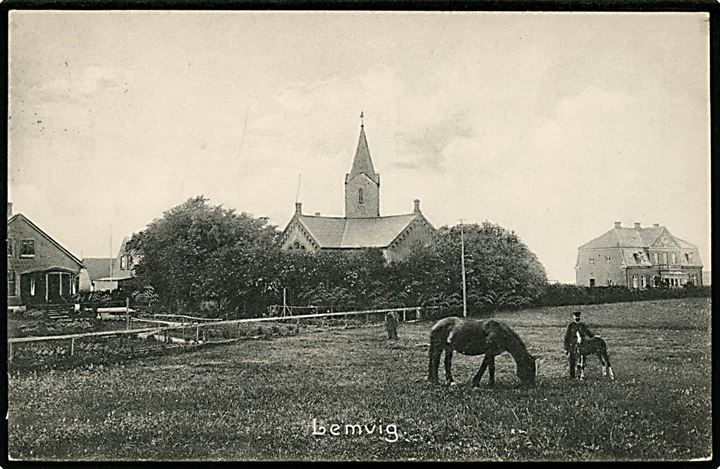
x=527, y=370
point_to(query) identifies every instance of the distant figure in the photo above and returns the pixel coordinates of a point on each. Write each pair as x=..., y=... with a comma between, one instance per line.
x=391, y=324
x=576, y=331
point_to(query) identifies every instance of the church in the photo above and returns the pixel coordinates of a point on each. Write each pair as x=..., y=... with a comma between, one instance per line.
x=362, y=227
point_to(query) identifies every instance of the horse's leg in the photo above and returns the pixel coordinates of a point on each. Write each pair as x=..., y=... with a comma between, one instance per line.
x=609, y=367
x=491, y=370
x=481, y=371
x=581, y=367
x=602, y=362
x=448, y=366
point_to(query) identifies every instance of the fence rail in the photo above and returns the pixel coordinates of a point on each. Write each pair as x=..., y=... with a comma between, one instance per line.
x=200, y=325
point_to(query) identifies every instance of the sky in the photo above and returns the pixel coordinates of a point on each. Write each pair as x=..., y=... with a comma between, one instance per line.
x=553, y=125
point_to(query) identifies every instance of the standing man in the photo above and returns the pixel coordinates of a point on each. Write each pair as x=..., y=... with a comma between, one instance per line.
x=391, y=323
x=571, y=344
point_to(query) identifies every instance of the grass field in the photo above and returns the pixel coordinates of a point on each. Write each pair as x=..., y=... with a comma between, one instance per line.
x=258, y=399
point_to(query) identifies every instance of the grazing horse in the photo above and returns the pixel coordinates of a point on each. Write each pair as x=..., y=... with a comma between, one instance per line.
x=489, y=338
x=593, y=346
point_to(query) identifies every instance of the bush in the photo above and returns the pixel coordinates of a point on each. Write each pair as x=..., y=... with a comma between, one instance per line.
x=564, y=294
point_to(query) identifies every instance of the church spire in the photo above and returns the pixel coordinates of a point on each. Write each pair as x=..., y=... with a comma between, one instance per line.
x=362, y=184
x=362, y=164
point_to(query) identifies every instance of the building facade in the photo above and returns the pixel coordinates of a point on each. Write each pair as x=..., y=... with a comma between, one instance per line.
x=638, y=258
x=362, y=227
x=39, y=269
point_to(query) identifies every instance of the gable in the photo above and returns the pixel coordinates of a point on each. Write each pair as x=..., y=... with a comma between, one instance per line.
x=48, y=252
x=665, y=240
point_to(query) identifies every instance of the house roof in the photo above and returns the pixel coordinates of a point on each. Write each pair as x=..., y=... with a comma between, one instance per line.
x=348, y=233
x=20, y=216
x=631, y=238
x=362, y=163
x=98, y=268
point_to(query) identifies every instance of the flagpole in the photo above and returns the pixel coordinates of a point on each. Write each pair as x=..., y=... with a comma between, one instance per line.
x=462, y=262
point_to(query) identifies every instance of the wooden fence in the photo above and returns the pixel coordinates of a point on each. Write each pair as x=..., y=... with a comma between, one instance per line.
x=414, y=311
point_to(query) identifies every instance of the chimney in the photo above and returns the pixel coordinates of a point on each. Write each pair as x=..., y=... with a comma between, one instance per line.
x=656, y=225
x=417, y=206
x=298, y=208
x=618, y=224
x=637, y=225
x=9, y=209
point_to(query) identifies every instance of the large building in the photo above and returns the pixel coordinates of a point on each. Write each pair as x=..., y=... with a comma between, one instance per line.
x=362, y=226
x=39, y=269
x=638, y=258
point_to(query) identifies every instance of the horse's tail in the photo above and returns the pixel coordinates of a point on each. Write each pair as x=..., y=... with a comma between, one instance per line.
x=438, y=335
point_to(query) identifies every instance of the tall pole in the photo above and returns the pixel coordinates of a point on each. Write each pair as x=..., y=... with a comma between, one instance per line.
x=462, y=262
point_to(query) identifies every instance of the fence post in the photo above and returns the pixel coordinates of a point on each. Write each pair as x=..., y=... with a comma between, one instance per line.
x=404, y=317
x=127, y=313
x=10, y=352
x=72, y=346
x=197, y=334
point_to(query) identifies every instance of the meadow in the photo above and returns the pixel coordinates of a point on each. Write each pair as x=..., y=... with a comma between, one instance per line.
x=259, y=399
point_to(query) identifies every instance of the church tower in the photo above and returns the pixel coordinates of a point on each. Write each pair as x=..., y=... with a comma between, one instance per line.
x=362, y=184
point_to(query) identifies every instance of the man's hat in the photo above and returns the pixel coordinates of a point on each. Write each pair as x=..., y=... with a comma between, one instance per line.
x=576, y=314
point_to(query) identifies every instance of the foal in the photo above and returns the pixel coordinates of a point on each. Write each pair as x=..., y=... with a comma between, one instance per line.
x=593, y=345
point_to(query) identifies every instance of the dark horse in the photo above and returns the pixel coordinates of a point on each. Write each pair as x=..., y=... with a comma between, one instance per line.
x=593, y=346
x=469, y=337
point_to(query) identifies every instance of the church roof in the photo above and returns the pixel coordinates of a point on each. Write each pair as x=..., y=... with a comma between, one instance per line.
x=362, y=164
x=348, y=233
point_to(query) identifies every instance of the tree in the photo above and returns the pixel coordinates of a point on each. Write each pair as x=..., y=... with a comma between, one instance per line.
x=501, y=272
x=199, y=252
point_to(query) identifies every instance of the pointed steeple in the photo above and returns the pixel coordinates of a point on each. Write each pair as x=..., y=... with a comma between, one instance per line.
x=362, y=164
x=362, y=183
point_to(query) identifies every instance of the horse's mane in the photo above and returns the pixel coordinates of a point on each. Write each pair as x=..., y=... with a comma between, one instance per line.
x=513, y=336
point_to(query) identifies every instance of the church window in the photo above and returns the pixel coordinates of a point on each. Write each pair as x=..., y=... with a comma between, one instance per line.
x=123, y=262
x=592, y=260
x=607, y=258
x=360, y=196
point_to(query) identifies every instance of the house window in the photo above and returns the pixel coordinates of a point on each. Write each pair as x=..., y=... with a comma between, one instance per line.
x=592, y=260
x=592, y=282
x=688, y=257
x=11, y=282
x=637, y=257
x=643, y=281
x=123, y=262
x=655, y=258
x=664, y=258
x=360, y=196
x=635, y=281
x=673, y=256
x=10, y=247
x=607, y=258
x=32, y=285
x=28, y=248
